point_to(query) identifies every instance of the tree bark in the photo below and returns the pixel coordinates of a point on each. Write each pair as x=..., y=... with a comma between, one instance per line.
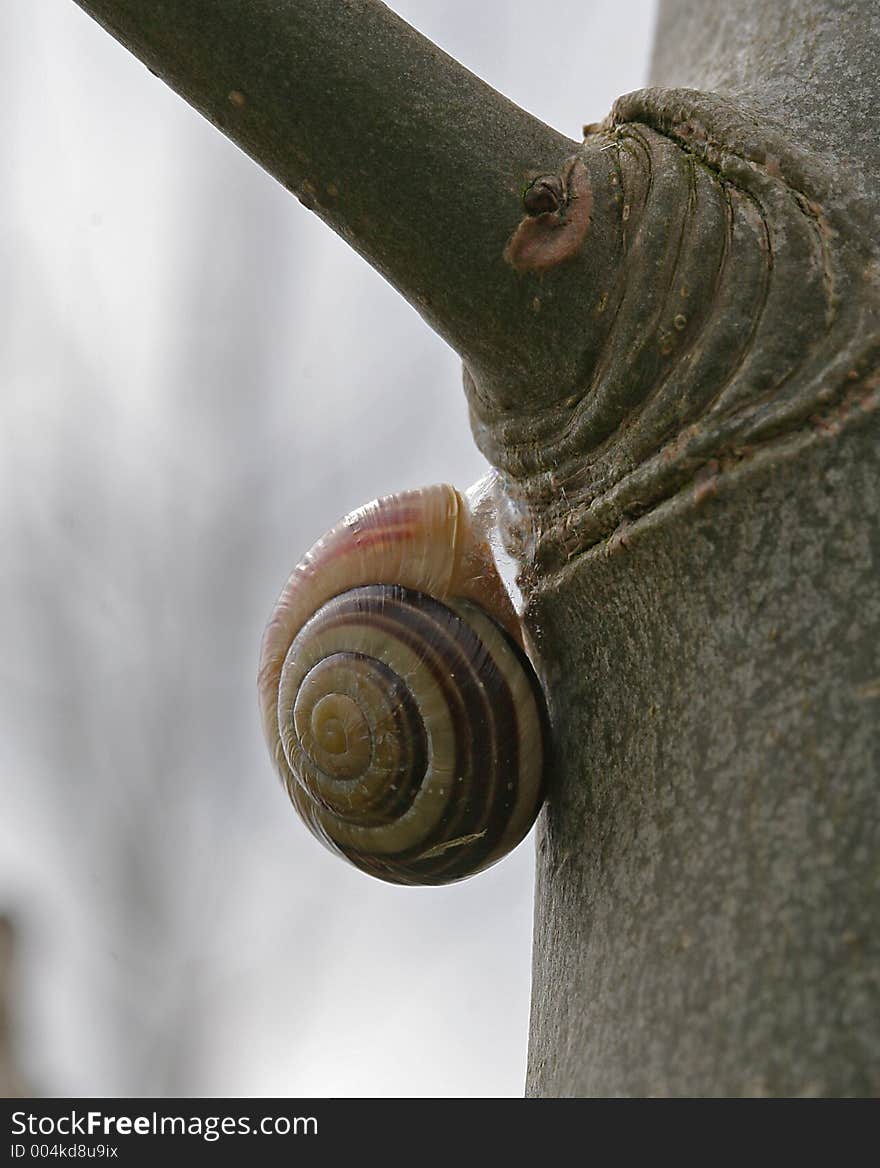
x=671, y=350
x=809, y=66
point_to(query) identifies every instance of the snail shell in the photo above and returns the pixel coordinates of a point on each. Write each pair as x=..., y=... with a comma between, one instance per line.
x=405, y=720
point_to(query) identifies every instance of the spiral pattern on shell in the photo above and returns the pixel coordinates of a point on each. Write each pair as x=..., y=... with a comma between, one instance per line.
x=406, y=722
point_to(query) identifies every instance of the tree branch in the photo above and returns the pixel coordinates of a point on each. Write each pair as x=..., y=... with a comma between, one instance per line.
x=413, y=160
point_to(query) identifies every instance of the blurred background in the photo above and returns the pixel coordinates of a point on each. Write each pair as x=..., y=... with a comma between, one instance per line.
x=198, y=379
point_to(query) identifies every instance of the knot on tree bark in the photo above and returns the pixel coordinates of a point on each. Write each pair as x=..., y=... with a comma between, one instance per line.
x=736, y=308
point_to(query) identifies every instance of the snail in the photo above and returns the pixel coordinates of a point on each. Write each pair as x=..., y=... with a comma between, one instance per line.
x=397, y=699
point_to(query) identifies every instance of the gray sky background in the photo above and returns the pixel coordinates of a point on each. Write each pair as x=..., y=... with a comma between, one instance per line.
x=198, y=380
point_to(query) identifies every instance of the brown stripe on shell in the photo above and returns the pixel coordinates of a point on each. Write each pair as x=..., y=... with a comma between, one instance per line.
x=447, y=649
x=484, y=793
x=519, y=786
x=490, y=776
x=478, y=692
x=384, y=609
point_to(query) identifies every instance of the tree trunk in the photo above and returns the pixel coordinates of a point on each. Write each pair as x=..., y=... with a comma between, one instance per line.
x=671, y=351
x=706, y=918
